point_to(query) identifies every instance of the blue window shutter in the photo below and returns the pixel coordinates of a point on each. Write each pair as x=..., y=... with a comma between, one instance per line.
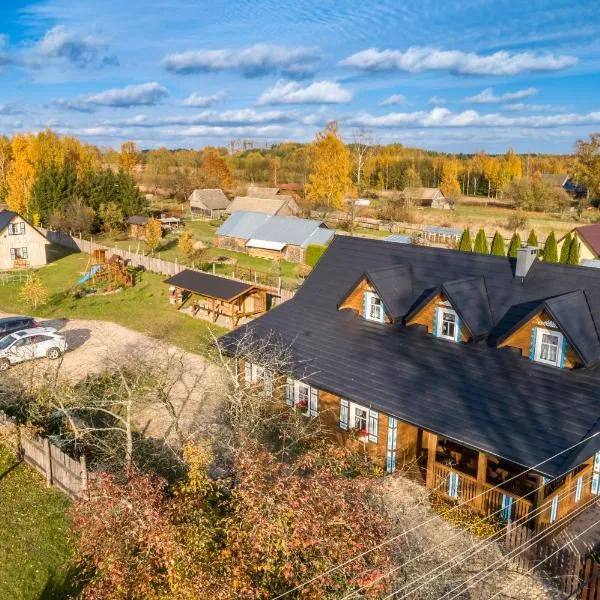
x=533, y=341
x=373, y=426
x=579, y=489
x=365, y=305
x=391, y=444
x=453, y=485
x=314, y=400
x=563, y=355
x=382, y=312
x=289, y=391
x=554, y=509
x=458, y=325
x=435, y=321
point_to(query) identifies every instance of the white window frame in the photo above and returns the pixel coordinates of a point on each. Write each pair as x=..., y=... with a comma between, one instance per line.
x=255, y=373
x=539, y=334
x=16, y=228
x=19, y=253
x=440, y=323
x=293, y=391
x=348, y=419
x=369, y=297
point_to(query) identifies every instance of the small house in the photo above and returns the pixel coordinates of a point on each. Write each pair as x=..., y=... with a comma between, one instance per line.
x=223, y=301
x=588, y=237
x=21, y=244
x=566, y=182
x=283, y=206
x=208, y=203
x=272, y=236
x=136, y=226
x=428, y=198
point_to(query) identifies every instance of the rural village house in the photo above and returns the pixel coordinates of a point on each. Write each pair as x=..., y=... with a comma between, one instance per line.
x=428, y=198
x=565, y=182
x=21, y=244
x=589, y=242
x=480, y=373
x=283, y=206
x=208, y=203
x=270, y=236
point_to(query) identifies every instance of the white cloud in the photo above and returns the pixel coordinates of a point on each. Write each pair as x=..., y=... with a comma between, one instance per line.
x=442, y=117
x=229, y=118
x=436, y=100
x=196, y=100
x=422, y=59
x=519, y=106
x=253, y=61
x=318, y=92
x=144, y=94
x=393, y=99
x=59, y=42
x=10, y=109
x=487, y=96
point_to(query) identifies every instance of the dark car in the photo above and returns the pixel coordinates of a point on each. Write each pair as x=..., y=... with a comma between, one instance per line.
x=12, y=324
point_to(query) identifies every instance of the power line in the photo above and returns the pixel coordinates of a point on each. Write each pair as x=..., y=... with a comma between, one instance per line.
x=479, y=547
x=404, y=533
x=555, y=553
x=430, y=550
x=505, y=559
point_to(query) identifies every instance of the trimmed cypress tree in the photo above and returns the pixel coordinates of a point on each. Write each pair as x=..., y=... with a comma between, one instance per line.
x=515, y=244
x=550, y=249
x=564, y=251
x=497, y=245
x=465, y=244
x=573, y=258
x=532, y=239
x=481, y=244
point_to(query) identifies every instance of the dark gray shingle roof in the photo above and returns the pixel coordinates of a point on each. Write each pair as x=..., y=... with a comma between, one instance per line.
x=208, y=285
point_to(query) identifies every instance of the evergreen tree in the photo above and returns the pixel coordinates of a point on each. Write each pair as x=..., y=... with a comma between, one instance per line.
x=532, y=239
x=481, y=244
x=497, y=245
x=573, y=258
x=465, y=244
x=53, y=189
x=550, y=249
x=515, y=244
x=564, y=251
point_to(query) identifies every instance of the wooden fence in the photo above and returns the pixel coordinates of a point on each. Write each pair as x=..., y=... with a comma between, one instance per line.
x=562, y=563
x=165, y=267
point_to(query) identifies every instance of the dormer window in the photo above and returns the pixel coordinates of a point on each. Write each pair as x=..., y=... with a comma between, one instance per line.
x=448, y=324
x=374, y=310
x=548, y=347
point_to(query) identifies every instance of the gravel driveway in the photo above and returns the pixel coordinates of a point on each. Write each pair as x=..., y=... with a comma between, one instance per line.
x=96, y=345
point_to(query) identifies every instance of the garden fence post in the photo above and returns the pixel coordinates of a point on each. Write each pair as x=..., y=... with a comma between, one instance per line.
x=84, y=474
x=48, y=461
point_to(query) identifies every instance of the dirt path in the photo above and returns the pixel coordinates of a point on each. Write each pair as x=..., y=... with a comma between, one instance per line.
x=97, y=345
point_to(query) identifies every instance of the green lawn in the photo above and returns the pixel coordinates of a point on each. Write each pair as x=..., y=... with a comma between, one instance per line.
x=144, y=307
x=33, y=543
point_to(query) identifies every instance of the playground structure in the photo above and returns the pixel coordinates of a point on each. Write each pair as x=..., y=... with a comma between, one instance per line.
x=112, y=271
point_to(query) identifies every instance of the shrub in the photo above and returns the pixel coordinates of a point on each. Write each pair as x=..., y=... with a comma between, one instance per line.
x=481, y=244
x=34, y=292
x=465, y=244
x=497, y=245
x=516, y=221
x=532, y=239
x=515, y=244
x=564, y=250
x=550, y=253
x=573, y=258
x=314, y=253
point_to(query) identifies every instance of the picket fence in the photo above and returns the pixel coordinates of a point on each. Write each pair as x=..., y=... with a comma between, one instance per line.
x=562, y=563
x=157, y=265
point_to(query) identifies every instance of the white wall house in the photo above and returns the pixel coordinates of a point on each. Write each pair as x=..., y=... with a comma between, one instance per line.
x=21, y=244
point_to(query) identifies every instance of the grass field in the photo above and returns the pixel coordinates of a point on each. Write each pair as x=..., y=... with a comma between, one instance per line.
x=33, y=543
x=144, y=307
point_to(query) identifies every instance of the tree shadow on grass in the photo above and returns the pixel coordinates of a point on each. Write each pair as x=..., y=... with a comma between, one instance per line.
x=62, y=585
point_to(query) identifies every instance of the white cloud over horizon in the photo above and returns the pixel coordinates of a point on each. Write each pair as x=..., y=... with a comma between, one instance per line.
x=393, y=99
x=197, y=100
x=253, y=61
x=487, y=96
x=292, y=92
x=423, y=59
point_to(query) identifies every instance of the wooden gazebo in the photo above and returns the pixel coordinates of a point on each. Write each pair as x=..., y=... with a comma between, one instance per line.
x=221, y=300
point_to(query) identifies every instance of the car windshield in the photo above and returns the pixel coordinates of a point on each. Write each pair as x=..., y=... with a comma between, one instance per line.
x=7, y=341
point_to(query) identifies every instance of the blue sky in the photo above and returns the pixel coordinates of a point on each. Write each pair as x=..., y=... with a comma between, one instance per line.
x=450, y=76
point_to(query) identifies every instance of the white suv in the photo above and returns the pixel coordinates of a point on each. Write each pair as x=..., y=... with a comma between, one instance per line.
x=29, y=344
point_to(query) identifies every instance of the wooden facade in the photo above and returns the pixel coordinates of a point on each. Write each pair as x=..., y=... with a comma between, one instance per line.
x=21, y=245
x=426, y=316
x=355, y=300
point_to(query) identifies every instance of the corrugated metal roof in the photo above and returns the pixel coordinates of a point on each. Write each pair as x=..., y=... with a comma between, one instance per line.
x=265, y=245
x=242, y=224
x=399, y=238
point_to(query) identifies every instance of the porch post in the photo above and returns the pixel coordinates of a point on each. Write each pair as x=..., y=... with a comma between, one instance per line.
x=538, y=501
x=482, y=460
x=432, y=440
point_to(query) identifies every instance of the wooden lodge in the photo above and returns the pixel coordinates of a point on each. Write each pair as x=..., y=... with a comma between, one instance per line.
x=474, y=374
x=223, y=301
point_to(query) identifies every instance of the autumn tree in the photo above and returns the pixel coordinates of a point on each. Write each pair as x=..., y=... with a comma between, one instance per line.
x=112, y=217
x=497, y=245
x=587, y=165
x=330, y=182
x=185, y=244
x=153, y=235
x=550, y=253
x=361, y=148
x=449, y=185
x=214, y=170
x=34, y=292
x=5, y=158
x=21, y=174
x=129, y=156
